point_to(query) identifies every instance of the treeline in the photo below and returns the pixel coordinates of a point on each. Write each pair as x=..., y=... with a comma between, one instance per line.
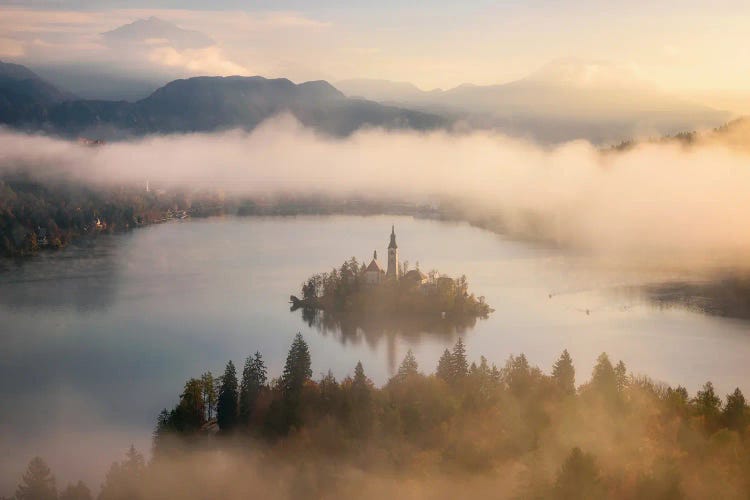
x=515, y=430
x=36, y=214
x=345, y=290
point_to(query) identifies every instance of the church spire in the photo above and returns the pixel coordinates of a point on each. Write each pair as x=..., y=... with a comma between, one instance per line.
x=393, y=238
x=392, y=271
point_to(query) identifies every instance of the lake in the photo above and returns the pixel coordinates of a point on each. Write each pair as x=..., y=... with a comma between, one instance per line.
x=101, y=336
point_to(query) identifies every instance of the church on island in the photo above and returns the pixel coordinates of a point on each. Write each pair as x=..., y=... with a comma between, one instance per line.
x=375, y=274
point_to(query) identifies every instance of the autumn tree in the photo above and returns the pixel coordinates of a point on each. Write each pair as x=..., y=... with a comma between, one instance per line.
x=209, y=394
x=578, y=478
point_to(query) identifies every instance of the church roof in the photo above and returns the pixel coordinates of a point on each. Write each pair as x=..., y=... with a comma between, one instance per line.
x=374, y=266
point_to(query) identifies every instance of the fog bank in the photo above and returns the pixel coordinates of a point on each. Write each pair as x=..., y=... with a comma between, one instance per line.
x=655, y=203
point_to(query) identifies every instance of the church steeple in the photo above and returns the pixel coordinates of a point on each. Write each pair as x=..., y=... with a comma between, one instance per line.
x=392, y=271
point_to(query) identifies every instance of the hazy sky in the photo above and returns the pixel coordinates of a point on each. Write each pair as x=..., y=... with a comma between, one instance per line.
x=685, y=45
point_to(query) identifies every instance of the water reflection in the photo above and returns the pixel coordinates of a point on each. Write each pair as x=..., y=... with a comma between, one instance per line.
x=82, y=278
x=349, y=328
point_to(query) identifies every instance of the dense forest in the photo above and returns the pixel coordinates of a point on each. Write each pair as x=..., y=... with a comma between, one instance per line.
x=468, y=429
x=345, y=290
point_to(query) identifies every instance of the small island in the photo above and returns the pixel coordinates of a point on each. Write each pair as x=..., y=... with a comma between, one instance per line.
x=396, y=292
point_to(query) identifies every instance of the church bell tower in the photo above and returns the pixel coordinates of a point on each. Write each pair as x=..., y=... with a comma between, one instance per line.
x=392, y=272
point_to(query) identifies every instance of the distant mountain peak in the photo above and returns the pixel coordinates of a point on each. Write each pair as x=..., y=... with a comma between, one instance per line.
x=155, y=28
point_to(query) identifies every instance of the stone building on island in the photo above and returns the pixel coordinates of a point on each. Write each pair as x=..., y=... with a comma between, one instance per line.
x=375, y=274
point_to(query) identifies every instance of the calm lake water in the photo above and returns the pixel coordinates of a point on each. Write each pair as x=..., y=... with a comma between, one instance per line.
x=98, y=338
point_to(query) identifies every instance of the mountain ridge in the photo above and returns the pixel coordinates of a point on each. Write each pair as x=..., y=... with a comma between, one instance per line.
x=207, y=104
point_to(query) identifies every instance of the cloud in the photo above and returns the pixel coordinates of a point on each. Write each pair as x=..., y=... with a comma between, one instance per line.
x=206, y=61
x=10, y=48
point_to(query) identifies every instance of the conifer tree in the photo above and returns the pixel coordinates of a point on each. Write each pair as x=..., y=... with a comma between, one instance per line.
x=708, y=405
x=564, y=373
x=37, y=482
x=409, y=366
x=227, y=405
x=78, y=491
x=604, y=378
x=735, y=411
x=361, y=415
x=459, y=364
x=123, y=480
x=445, y=366
x=254, y=375
x=298, y=367
x=579, y=478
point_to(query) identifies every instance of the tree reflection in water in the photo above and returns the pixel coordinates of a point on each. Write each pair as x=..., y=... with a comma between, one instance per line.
x=354, y=328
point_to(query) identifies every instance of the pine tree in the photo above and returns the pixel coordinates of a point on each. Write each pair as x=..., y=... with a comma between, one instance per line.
x=409, y=366
x=459, y=364
x=445, y=366
x=227, y=405
x=579, y=478
x=78, y=491
x=708, y=405
x=564, y=373
x=37, y=483
x=360, y=381
x=361, y=414
x=254, y=376
x=735, y=411
x=123, y=480
x=604, y=378
x=518, y=375
x=298, y=367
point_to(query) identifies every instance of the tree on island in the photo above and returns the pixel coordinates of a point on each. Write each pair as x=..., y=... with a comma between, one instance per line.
x=37, y=482
x=227, y=405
